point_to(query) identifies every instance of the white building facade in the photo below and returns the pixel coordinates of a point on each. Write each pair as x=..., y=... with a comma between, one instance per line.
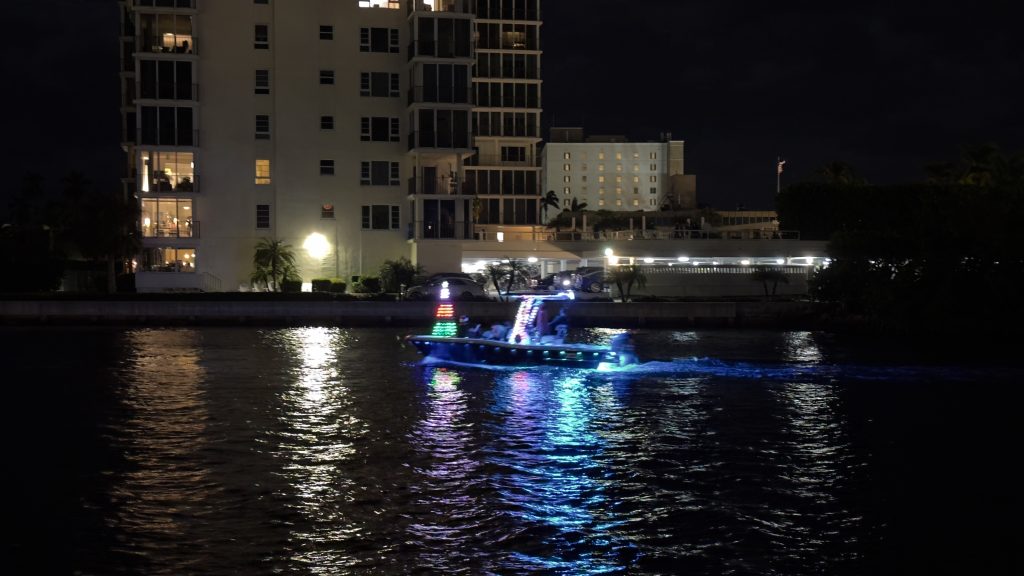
x=609, y=173
x=341, y=127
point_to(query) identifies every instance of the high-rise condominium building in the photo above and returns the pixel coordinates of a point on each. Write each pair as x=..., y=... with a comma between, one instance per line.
x=356, y=131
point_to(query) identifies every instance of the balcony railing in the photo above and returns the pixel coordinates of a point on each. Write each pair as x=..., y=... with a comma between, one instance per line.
x=437, y=49
x=440, y=229
x=438, y=140
x=442, y=186
x=440, y=95
x=456, y=6
x=497, y=160
x=174, y=183
x=181, y=44
x=170, y=229
x=167, y=3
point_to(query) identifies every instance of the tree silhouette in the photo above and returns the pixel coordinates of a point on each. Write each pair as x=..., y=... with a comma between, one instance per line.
x=550, y=200
x=625, y=277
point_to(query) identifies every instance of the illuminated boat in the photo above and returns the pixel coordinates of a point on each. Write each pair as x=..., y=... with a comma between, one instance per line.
x=522, y=345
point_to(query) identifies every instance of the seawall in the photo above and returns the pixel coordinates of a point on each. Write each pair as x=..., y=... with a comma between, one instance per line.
x=369, y=313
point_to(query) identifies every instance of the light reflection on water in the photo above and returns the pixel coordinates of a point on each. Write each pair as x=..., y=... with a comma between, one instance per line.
x=333, y=451
x=315, y=443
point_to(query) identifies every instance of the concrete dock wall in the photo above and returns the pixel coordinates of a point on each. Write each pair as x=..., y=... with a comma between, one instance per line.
x=198, y=312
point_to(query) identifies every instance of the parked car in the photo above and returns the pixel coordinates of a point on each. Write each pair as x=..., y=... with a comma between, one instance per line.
x=588, y=279
x=555, y=282
x=458, y=288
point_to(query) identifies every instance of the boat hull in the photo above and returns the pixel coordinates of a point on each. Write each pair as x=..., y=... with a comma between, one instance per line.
x=498, y=353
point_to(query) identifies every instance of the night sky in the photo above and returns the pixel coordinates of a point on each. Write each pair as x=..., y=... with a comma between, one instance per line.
x=885, y=86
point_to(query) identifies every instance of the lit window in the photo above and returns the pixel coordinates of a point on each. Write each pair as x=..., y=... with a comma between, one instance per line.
x=566, y=167
x=566, y=190
x=566, y=179
x=654, y=156
x=567, y=156
x=618, y=179
x=600, y=202
x=618, y=190
x=600, y=155
x=618, y=167
x=600, y=191
x=636, y=167
x=263, y=171
x=600, y=167
x=636, y=202
x=654, y=178
x=636, y=179
x=600, y=179
x=654, y=167
x=618, y=202
x=636, y=155
x=618, y=155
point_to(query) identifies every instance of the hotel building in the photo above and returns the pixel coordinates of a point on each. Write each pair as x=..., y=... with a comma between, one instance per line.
x=611, y=173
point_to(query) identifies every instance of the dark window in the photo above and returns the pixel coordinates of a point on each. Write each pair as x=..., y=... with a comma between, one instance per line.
x=327, y=76
x=327, y=167
x=379, y=40
x=327, y=32
x=263, y=215
x=261, y=37
x=262, y=127
x=261, y=1
x=379, y=84
x=380, y=217
x=379, y=129
x=327, y=211
x=379, y=173
x=262, y=82
x=327, y=122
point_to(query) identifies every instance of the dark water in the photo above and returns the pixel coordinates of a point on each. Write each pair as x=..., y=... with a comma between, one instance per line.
x=334, y=451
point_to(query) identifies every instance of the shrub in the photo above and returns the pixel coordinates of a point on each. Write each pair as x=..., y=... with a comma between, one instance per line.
x=291, y=286
x=337, y=286
x=321, y=284
x=368, y=285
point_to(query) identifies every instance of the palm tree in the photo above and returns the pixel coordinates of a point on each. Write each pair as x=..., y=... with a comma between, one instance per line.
x=273, y=263
x=765, y=275
x=625, y=277
x=496, y=273
x=550, y=200
x=515, y=269
x=577, y=206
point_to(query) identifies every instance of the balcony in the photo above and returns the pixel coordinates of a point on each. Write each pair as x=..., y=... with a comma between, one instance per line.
x=439, y=95
x=171, y=183
x=432, y=49
x=437, y=186
x=191, y=4
x=440, y=140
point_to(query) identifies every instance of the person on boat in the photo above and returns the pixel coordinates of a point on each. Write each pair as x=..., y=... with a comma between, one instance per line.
x=497, y=332
x=562, y=319
x=540, y=324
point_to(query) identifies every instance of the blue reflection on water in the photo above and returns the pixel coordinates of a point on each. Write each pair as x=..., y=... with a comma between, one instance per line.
x=549, y=447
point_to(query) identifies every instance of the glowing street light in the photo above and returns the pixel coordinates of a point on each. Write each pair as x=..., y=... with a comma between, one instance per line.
x=317, y=246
